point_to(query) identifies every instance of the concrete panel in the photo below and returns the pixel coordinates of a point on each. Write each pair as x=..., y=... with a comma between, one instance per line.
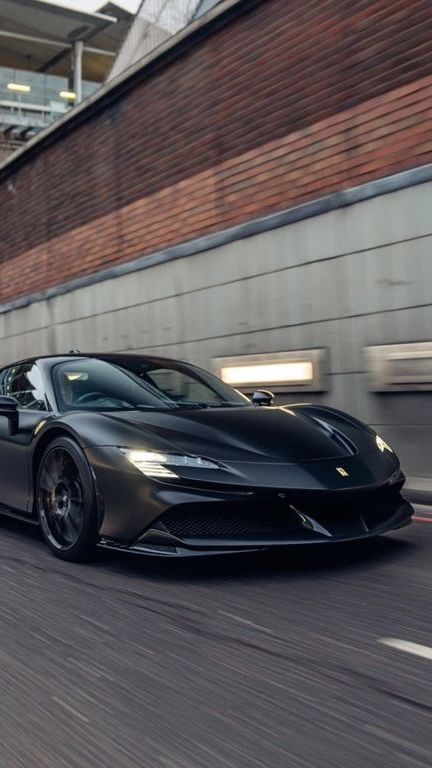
x=24, y=345
x=27, y=319
x=401, y=215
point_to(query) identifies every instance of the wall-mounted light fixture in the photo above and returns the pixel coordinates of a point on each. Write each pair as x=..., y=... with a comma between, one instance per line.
x=294, y=371
x=68, y=95
x=18, y=87
x=400, y=367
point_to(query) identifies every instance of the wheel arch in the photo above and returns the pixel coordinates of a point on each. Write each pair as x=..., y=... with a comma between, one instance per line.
x=48, y=436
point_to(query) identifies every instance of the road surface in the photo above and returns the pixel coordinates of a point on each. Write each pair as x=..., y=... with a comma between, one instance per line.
x=314, y=659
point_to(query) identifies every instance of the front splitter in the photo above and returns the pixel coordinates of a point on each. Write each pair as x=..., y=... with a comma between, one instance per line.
x=156, y=550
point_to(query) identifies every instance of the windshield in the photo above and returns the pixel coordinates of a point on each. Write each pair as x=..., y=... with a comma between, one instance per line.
x=138, y=384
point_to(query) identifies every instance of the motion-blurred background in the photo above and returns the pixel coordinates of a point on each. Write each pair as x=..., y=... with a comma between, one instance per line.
x=243, y=184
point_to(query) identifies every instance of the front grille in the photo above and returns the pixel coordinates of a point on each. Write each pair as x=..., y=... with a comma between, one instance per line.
x=270, y=518
x=229, y=522
x=344, y=514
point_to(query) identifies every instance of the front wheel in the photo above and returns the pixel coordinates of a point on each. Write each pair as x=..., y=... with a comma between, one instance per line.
x=66, y=502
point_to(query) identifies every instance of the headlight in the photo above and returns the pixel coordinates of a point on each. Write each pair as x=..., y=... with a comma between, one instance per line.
x=382, y=445
x=155, y=464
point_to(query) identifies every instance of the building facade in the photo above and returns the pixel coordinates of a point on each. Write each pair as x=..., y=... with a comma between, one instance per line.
x=51, y=58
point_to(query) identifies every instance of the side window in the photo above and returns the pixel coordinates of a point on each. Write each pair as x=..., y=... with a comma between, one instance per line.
x=181, y=387
x=3, y=375
x=24, y=383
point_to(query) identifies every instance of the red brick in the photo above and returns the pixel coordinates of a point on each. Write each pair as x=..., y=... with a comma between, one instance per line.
x=285, y=104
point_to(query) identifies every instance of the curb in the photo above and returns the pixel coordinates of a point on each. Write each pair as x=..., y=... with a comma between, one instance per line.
x=418, y=491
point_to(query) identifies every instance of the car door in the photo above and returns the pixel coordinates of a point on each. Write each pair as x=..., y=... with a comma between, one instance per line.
x=24, y=382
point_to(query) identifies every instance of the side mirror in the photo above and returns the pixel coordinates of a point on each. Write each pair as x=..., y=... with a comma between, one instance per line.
x=262, y=397
x=9, y=409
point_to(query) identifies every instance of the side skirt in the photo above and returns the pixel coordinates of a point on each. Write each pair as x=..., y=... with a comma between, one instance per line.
x=15, y=515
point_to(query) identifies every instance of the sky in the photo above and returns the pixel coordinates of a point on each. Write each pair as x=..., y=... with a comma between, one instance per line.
x=93, y=5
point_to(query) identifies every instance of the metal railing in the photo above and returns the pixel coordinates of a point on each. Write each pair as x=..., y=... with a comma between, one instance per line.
x=25, y=114
x=155, y=21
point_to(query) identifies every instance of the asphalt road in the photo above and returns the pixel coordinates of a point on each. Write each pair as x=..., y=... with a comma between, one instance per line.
x=247, y=662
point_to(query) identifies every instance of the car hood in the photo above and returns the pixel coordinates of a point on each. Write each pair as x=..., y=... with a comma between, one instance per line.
x=246, y=434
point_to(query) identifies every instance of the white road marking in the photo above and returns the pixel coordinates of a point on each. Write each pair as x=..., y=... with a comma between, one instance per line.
x=70, y=709
x=245, y=621
x=404, y=645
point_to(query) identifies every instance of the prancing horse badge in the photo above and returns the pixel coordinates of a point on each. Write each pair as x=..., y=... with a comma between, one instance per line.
x=342, y=471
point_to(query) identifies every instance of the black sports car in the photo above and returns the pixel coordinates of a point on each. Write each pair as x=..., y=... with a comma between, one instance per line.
x=160, y=457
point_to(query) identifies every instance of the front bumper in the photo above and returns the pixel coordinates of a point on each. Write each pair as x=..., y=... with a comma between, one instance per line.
x=194, y=522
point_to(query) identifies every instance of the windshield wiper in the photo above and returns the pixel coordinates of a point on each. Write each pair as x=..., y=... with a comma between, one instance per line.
x=191, y=406
x=227, y=405
x=206, y=406
x=162, y=407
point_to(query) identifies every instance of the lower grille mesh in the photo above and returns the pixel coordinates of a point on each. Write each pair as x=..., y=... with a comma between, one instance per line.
x=270, y=518
x=229, y=523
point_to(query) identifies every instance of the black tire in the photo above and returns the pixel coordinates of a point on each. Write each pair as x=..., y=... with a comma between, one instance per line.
x=66, y=501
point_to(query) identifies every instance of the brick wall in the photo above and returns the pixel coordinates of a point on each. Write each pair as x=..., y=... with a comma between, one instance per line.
x=288, y=101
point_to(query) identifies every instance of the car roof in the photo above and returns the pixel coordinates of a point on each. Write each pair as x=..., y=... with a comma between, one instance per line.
x=96, y=355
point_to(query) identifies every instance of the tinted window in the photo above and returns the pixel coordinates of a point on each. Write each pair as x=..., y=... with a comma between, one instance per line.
x=24, y=383
x=182, y=387
x=100, y=386
x=184, y=383
x=119, y=384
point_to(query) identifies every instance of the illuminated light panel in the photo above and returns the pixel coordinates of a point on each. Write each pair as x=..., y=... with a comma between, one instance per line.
x=146, y=456
x=150, y=464
x=18, y=87
x=151, y=469
x=69, y=95
x=154, y=464
x=400, y=367
x=268, y=373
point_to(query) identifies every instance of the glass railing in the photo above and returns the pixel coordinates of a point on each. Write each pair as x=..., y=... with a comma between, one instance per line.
x=32, y=99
